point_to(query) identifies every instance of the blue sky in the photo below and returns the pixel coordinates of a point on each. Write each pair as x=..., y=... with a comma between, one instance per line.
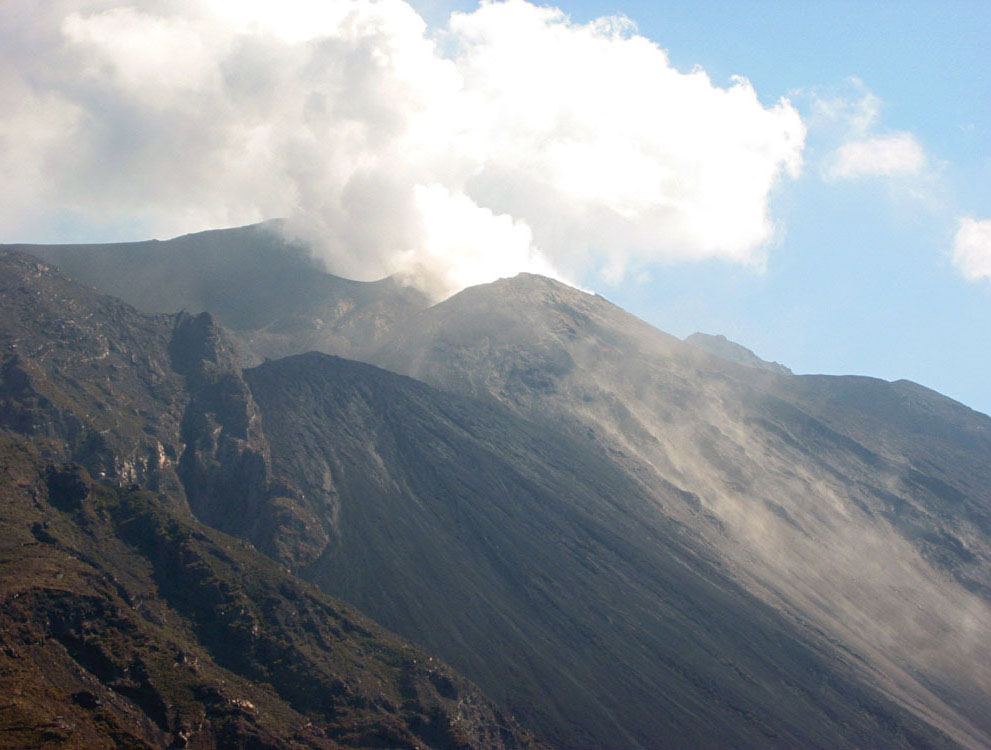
x=860, y=280
x=127, y=119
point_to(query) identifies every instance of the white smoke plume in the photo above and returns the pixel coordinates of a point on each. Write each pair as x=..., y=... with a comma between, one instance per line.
x=512, y=139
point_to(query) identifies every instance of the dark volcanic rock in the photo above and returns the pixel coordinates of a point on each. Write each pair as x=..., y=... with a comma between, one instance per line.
x=152, y=400
x=90, y=374
x=858, y=507
x=224, y=465
x=68, y=486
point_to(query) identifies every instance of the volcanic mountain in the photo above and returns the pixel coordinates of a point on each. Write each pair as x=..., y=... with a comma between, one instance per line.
x=125, y=622
x=626, y=539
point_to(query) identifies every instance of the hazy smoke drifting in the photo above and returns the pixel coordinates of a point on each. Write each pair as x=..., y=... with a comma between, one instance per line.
x=513, y=140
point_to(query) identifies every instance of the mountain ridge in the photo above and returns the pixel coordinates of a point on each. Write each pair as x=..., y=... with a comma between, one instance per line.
x=781, y=461
x=127, y=622
x=267, y=290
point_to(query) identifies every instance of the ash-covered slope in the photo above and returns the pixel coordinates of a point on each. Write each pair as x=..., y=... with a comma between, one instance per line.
x=126, y=623
x=545, y=571
x=858, y=506
x=269, y=292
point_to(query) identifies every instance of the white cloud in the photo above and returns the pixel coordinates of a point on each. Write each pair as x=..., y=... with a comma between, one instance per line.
x=851, y=119
x=884, y=156
x=972, y=248
x=518, y=141
x=853, y=108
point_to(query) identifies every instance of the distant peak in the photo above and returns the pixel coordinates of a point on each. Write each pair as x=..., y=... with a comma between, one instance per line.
x=268, y=225
x=722, y=347
x=526, y=283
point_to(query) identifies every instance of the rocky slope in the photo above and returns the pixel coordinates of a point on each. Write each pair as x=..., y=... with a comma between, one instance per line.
x=127, y=623
x=124, y=623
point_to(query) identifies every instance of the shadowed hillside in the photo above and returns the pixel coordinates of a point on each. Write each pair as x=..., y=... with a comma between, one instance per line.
x=272, y=295
x=126, y=624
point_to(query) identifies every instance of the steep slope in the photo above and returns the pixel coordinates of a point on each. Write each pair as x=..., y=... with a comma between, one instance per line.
x=155, y=400
x=90, y=373
x=126, y=624
x=108, y=593
x=856, y=505
x=540, y=568
x=269, y=292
